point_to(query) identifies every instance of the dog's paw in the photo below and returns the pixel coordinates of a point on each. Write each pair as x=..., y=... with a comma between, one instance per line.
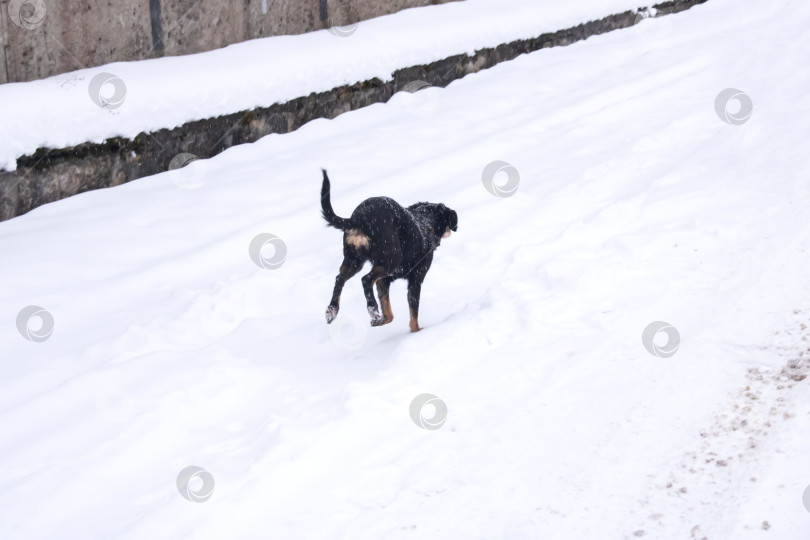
x=331, y=313
x=381, y=322
x=376, y=318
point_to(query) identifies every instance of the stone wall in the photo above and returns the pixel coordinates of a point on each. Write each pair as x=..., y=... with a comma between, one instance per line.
x=53, y=174
x=40, y=38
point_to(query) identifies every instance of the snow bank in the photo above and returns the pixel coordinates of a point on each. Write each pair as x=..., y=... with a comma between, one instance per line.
x=146, y=96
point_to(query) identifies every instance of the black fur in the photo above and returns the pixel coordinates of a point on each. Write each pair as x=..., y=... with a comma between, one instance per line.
x=398, y=241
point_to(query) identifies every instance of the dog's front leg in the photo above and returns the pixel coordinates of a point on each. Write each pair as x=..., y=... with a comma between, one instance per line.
x=414, y=291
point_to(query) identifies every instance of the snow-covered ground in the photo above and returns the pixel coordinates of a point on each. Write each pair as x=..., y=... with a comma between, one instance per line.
x=636, y=203
x=147, y=96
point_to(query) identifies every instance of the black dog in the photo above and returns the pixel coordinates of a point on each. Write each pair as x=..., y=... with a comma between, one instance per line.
x=398, y=241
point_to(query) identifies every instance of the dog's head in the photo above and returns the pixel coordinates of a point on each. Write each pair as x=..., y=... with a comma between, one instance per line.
x=446, y=221
x=442, y=219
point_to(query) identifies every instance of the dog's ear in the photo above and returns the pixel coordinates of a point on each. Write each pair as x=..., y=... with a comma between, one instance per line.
x=445, y=219
x=453, y=220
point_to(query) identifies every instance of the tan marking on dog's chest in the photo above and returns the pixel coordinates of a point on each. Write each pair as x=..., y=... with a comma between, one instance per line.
x=356, y=238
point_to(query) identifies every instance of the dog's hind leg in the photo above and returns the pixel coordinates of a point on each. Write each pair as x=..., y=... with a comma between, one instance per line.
x=377, y=272
x=349, y=268
x=382, y=291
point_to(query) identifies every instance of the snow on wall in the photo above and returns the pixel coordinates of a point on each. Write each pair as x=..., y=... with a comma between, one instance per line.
x=124, y=99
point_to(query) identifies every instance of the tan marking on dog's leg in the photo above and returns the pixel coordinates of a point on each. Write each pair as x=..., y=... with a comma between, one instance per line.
x=414, y=324
x=356, y=238
x=383, y=285
x=388, y=315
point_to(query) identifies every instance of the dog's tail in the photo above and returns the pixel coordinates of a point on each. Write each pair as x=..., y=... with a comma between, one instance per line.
x=326, y=208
